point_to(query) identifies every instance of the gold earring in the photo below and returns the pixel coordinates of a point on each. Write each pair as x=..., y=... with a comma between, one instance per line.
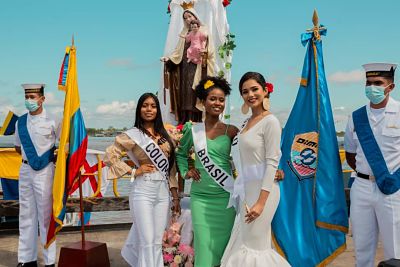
x=245, y=108
x=266, y=103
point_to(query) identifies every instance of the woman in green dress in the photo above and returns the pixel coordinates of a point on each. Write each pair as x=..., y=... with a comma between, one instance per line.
x=212, y=175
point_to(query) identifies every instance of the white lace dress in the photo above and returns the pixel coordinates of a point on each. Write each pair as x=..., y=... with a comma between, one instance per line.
x=250, y=244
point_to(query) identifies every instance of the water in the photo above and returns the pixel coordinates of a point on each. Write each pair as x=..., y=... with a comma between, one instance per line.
x=123, y=185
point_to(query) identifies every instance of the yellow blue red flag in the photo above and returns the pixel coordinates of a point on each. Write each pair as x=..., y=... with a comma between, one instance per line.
x=73, y=143
x=311, y=220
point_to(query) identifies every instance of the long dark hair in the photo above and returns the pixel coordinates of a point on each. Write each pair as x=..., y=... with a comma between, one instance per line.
x=252, y=75
x=158, y=124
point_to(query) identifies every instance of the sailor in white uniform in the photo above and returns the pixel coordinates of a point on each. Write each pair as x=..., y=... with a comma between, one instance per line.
x=372, y=144
x=35, y=137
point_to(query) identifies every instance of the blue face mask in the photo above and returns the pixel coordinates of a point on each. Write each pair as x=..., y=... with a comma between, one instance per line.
x=31, y=105
x=376, y=94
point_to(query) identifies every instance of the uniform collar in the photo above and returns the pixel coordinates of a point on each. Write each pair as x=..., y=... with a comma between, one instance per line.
x=392, y=105
x=43, y=114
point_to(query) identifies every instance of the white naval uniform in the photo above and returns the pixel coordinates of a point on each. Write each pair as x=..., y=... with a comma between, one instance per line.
x=371, y=211
x=35, y=190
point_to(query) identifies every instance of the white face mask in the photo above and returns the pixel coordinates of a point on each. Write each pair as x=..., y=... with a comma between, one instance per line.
x=31, y=105
x=375, y=94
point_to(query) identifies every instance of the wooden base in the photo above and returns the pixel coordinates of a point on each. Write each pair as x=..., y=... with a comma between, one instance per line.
x=92, y=254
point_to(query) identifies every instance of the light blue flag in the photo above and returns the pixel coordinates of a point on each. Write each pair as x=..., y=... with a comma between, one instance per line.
x=311, y=220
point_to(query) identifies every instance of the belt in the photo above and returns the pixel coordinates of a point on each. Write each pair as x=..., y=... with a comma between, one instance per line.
x=26, y=162
x=365, y=176
x=154, y=176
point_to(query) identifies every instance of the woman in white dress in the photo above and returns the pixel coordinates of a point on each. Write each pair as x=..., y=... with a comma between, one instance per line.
x=150, y=147
x=259, y=146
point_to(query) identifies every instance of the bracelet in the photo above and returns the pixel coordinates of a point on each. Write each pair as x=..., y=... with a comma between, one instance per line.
x=176, y=198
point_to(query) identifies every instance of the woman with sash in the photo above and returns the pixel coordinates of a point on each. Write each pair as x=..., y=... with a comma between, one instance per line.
x=256, y=159
x=213, y=183
x=150, y=147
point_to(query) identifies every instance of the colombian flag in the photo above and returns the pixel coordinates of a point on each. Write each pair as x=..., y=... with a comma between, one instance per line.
x=9, y=124
x=73, y=143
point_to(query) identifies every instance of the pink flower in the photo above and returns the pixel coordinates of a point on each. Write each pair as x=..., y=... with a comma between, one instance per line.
x=175, y=239
x=168, y=257
x=185, y=249
x=176, y=227
x=188, y=264
x=173, y=264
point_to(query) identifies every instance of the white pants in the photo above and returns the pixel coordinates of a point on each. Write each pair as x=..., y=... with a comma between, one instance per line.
x=149, y=205
x=35, y=206
x=372, y=212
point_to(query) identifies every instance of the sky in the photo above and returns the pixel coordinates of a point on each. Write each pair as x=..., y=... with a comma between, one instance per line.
x=119, y=44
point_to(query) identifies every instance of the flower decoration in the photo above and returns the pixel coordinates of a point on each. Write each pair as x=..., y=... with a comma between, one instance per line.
x=269, y=87
x=169, y=7
x=175, y=132
x=176, y=254
x=226, y=3
x=208, y=84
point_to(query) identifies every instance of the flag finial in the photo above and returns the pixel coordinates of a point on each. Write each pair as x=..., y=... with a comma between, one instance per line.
x=317, y=28
x=73, y=42
x=315, y=19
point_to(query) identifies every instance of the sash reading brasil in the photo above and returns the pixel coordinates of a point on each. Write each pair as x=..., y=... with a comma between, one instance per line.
x=221, y=177
x=211, y=168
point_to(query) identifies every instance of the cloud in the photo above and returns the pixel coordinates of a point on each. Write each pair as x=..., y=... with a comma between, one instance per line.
x=51, y=100
x=116, y=108
x=57, y=111
x=121, y=63
x=343, y=77
x=129, y=64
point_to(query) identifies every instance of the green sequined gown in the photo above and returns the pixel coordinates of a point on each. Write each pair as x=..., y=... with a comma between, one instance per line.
x=212, y=220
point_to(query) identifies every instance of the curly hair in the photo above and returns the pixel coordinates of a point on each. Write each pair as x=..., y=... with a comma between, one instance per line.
x=252, y=75
x=209, y=83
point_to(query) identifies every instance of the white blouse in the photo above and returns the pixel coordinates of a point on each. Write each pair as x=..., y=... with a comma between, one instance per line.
x=261, y=145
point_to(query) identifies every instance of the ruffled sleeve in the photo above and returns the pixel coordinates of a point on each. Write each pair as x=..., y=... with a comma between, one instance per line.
x=114, y=154
x=272, y=141
x=185, y=145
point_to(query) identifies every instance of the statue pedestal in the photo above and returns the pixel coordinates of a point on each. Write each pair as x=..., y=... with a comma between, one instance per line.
x=86, y=254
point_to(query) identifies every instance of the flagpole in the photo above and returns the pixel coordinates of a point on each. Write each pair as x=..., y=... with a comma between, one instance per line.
x=81, y=253
x=80, y=191
x=81, y=210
